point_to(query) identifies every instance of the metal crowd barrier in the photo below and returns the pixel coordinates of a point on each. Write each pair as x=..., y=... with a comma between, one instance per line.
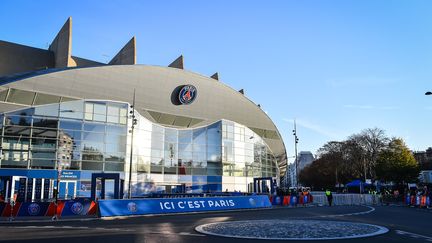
x=348, y=199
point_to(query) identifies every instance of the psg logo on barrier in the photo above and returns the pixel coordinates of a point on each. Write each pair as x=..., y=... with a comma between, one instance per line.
x=132, y=207
x=77, y=208
x=33, y=209
x=187, y=94
x=252, y=202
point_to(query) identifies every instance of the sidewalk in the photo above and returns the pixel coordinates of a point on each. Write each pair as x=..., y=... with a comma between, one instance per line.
x=6, y=220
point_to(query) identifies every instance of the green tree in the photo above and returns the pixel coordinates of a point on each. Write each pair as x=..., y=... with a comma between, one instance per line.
x=396, y=163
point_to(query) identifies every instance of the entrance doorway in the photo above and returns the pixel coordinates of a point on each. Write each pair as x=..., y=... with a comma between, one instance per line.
x=67, y=189
x=106, y=186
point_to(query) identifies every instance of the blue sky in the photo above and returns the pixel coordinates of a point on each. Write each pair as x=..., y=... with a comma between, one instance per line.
x=337, y=67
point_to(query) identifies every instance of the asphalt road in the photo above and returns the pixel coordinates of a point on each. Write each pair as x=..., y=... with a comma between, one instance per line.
x=405, y=224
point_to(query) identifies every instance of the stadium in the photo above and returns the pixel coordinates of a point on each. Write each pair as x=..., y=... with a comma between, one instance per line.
x=96, y=128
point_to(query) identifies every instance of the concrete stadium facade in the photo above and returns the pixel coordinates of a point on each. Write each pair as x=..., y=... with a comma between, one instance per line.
x=72, y=118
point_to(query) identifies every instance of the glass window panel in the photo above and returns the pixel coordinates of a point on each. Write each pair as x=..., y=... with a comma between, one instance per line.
x=199, y=148
x=123, y=115
x=70, y=125
x=114, y=167
x=184, y=170
x=184, y=147
x=214, y=134
x=113, y=111
x=3, y=94
x=156, y=153
x=113, y=147
x=116, y=157
x=74, y=165
x=214, y=168
x=116, y=129
x=113, y=119
x=199, y=136
x=72, y=135
x=43, y=164
x=99, y=117
x=89, y=111
x=92, y=147
x=15, y=143
x=156, y=169
x=143, y=168
x=93, y=137
x=18, y=120
x=72, y=109
x=43, y=155
x=123, y=112
x=156, y=160
x=94, y=127
x=42, y=99
x=92, y=156
x=99, y=109
x=44, y=133
x=43, y=143
x=47, y=110
x=116, y=139
x=185, y=136
x=6, y=163
x=123, y=120
x=43, y=122
x=170, y=170
x=21, y=96
x=17, y=131
x=92, y=165
x=214, y=153
x=170, y=135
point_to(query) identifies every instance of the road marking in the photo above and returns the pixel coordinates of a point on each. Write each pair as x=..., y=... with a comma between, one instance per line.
x=371, y=209
x=67, y=227
x=191, y=234
x=413, y=235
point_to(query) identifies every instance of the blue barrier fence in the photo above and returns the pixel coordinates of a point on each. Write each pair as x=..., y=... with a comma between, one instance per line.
x=109, y=208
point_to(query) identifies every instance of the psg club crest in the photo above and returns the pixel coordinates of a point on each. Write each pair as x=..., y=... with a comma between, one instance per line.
x=187, y=94
x=33, y=209
x=77, y=208
x=132, y=207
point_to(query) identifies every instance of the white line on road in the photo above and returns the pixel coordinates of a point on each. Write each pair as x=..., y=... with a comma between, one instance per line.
x=413, y=235
x=371, y=209
x=190, y=234
x=66, y=227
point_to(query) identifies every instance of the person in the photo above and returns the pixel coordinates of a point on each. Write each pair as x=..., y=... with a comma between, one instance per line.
x=329, y=197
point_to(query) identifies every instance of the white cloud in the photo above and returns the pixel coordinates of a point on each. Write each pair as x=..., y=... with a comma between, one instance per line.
x=313, y=127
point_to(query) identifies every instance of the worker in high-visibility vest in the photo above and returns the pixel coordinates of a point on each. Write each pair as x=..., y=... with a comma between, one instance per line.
x=329, y=197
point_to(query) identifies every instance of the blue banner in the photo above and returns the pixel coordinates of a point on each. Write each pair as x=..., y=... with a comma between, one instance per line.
x=108, y=208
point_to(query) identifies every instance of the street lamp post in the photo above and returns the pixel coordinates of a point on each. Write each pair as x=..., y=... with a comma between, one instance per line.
x=133, y=123
x=59, y=163
x=295, y=150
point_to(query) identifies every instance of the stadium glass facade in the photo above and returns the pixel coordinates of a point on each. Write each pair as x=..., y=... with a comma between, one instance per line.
x=82, y=137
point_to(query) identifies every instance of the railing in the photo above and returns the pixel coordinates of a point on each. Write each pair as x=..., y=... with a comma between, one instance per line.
x=348, y=199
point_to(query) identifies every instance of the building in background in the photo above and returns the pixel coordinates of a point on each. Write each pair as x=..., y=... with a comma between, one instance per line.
x=304, y=159
x=68, y=117
x=424, y=159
